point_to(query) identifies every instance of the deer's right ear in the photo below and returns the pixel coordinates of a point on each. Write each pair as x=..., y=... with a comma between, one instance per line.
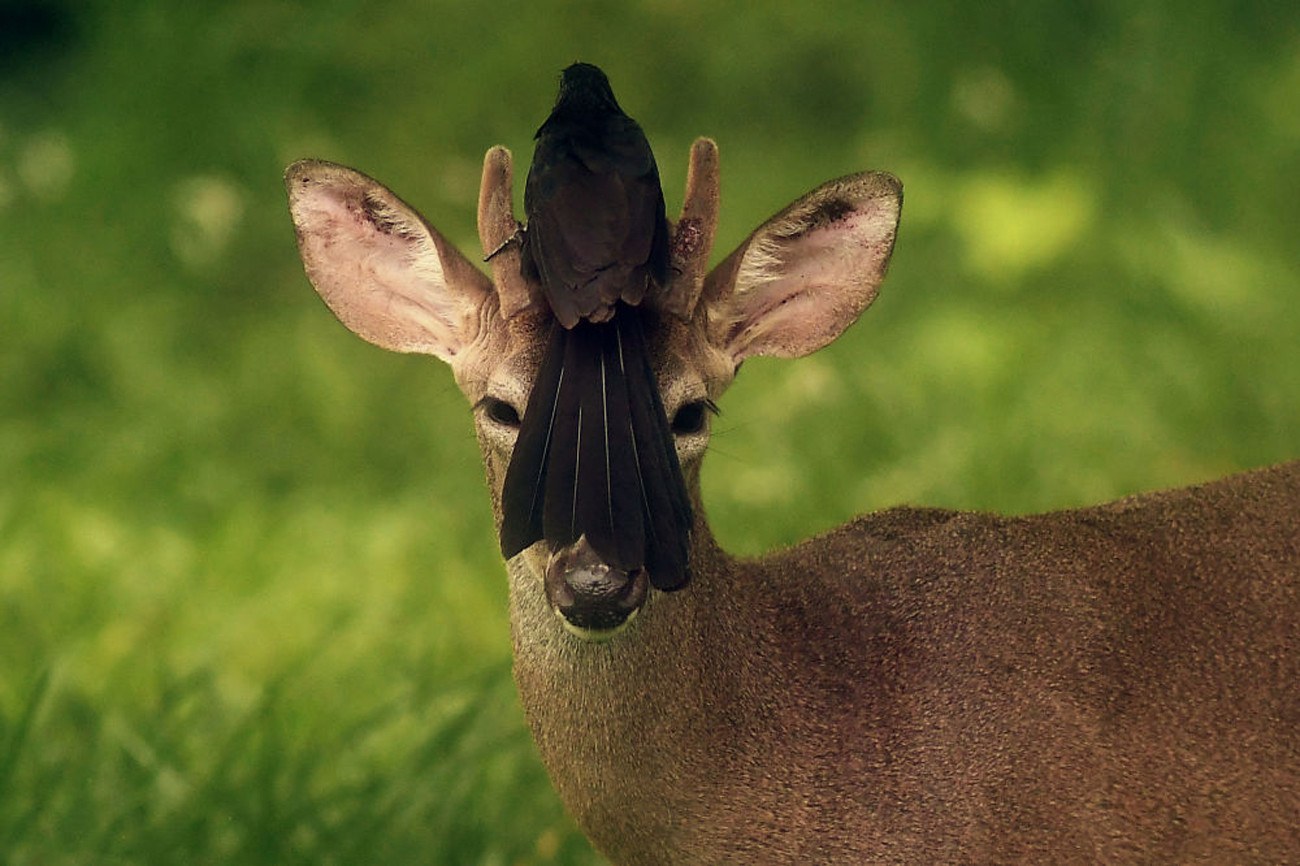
x=807, y=273
x=379, y=267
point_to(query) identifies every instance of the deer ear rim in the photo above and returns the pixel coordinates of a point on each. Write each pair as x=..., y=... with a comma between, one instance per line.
x=805, y=275
x=385, y=273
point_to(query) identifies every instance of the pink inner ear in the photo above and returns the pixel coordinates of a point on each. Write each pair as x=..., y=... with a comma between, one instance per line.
x=797, y=293
x=376, y=264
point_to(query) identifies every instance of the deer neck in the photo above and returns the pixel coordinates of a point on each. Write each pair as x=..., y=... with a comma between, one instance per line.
x=618, y=722
x=661, y=643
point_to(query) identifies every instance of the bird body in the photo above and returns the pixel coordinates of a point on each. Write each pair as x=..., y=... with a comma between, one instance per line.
x=596, y=227
x=595, y=455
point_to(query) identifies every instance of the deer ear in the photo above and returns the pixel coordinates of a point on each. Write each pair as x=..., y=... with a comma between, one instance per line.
x=379, y=267
x=807, y=273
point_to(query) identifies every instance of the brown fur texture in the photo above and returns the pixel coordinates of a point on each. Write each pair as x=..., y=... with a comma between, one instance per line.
x=1111, y=684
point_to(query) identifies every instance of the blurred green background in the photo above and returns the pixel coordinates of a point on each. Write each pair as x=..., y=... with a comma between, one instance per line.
x=251, y=608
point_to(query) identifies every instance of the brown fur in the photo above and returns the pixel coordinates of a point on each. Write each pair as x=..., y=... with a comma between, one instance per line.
x=1111, y=684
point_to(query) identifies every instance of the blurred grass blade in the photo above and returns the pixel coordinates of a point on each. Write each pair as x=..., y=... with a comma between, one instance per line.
x=14, y=745
x=17, y=740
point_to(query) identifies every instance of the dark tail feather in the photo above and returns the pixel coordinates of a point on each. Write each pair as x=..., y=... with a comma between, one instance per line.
x=565, y=456
x=522, y=495
x=611, y=512
x=665, y=502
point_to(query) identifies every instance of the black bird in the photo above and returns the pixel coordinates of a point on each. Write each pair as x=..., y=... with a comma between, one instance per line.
x=595, y=453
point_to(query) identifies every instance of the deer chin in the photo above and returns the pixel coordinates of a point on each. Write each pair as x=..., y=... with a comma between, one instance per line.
x=593, y=599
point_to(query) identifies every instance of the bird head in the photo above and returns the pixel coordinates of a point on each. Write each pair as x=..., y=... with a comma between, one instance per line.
x=585, y=89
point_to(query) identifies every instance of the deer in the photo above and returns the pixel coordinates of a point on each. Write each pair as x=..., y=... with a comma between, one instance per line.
x=1113, y=683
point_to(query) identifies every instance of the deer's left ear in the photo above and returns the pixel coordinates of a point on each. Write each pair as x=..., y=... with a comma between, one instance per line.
x=382, y=270
x=807, y=273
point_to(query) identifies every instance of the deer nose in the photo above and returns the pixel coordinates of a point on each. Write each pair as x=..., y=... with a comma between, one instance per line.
x=590, y=594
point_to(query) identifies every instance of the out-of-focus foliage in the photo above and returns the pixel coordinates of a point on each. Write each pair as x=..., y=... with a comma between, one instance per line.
x=251, y=609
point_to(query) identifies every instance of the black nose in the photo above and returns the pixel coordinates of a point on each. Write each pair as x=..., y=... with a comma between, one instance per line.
x=589, y=593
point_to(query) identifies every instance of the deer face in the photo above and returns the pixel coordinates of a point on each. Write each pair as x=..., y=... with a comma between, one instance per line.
x=794, y=285
x=496, y=374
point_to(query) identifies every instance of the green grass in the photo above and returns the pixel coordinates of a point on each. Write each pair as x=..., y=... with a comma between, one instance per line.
x=251, y=609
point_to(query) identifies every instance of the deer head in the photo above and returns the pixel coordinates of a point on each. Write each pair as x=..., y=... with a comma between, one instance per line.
x=790, y=288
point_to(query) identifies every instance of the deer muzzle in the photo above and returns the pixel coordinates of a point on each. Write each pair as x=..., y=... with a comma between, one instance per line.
x=592, y=597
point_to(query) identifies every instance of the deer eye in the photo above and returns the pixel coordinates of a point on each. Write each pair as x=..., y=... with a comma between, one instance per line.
x=692, y=417
x=499, y=412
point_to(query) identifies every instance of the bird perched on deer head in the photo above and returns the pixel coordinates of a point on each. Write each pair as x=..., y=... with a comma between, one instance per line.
x=595, y=455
